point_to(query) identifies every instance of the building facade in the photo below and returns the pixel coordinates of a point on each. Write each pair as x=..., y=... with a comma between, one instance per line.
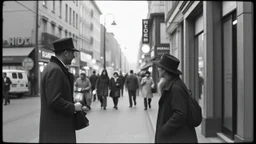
x=57, y=19
x=18, y=42
x=215, y=40
x=89, y=36
x=157, y=37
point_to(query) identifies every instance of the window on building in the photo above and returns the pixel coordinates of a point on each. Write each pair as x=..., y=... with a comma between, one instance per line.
x=76, y=2
x=91, y=12
x=60, y=31
x=70, y=14
x=44, y=24
x=70, y=35
x=66, y=33
x=53, y=6
x=60, y=7
x=74, y=21
x=66, y=18
x=53, y=29
x=91, y=26
x=163, y=34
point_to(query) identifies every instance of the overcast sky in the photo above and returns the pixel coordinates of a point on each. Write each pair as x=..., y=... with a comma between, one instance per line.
x=128, y=17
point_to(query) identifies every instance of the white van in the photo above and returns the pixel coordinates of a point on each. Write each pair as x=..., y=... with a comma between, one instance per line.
x=19, y=80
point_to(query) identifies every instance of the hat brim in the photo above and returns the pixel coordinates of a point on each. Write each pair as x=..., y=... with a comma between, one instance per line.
x=169, y=70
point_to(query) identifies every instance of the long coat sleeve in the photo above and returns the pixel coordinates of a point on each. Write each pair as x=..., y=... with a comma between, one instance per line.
x=172, y=118
x=57, y=107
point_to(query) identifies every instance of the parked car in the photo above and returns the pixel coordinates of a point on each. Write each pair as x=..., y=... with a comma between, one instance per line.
x=19, y=80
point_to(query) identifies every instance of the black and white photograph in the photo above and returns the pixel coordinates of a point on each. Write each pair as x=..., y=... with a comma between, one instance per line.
x=99, y=71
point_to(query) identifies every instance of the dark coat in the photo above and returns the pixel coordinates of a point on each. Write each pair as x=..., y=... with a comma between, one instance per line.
x=57, y=106
x=102, y=86
x=172, y=124
x=93, y=80
x=7, y=84
x=122, y=79
x=115, y=87
x=132, y=82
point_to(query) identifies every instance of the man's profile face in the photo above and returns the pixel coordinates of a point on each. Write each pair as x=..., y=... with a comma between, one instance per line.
x=69, y=55
x=161, y=72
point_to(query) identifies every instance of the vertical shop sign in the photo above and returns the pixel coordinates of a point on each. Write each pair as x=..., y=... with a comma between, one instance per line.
x=145, y=31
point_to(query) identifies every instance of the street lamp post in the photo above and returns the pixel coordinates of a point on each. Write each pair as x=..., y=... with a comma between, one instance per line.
x=104, y=47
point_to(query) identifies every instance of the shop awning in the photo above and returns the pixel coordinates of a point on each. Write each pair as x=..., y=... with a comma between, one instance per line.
x=17, y=51
x=15, y=55
x=147, y=65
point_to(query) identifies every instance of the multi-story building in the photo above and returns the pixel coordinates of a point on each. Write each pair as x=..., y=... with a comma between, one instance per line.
x=56, y=19
x=157, y=37
x=89, y=35
x=18, y=34
x=214, y=39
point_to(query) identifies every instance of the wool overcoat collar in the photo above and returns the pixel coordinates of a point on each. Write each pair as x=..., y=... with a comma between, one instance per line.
x=64, y=69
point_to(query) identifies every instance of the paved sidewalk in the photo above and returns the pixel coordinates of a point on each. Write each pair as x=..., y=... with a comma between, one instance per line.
x=152, y=113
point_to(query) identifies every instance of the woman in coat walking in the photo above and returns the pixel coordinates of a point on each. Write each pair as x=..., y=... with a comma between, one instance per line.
x=146, y=84
x=102, y=86
x=115, y=86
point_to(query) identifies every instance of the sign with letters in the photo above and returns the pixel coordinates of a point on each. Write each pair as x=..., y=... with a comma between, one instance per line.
x=145, y=31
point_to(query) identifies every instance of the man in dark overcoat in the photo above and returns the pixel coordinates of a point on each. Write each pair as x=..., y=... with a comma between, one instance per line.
x=57, y=106
x=93, y=80
x=132, y=84
x=7, y=83
x=172, y=126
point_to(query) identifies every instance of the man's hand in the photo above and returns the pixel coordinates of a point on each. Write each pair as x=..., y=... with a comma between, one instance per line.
x=78, y=106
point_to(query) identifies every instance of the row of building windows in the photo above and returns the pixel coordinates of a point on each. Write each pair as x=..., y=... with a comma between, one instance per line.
x=70, y=17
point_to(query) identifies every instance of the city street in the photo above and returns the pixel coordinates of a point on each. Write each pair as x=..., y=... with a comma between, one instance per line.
x=127, y=125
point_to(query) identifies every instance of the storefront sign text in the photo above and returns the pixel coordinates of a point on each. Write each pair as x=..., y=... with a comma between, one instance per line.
x=145, y=31
x=47, y=55
x=17, y=42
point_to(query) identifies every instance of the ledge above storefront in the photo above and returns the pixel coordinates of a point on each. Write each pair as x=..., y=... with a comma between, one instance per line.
x=16, y=55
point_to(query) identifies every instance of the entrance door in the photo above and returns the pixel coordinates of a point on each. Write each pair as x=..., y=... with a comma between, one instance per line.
x=229, y=77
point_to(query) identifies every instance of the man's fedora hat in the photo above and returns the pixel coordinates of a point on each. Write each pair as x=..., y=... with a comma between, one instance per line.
x=169, y=63
x=64, y=44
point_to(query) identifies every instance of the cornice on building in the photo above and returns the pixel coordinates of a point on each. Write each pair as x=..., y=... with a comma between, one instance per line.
x=96, y=6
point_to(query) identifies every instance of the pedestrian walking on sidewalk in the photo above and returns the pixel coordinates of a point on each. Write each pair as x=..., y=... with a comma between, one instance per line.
x=122, y=78
x=172, y=120
x=102, y=86
x=7, y=84
x=115, y=86
x=57, y=103
x=132, y=84
x=146, y=84
x=84, y=84
x=93, y=79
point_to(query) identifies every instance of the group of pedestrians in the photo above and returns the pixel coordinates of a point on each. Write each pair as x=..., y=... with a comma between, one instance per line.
x=58, y=106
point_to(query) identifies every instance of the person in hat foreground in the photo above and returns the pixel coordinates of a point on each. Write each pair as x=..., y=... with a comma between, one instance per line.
x=57, y=106
x=172, y=116
x=115, y=87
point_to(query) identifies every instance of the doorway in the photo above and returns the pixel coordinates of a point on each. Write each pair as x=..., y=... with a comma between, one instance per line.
x=229, y=101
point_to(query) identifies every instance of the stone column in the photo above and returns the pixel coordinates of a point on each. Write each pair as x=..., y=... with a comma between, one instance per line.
x=245, y=72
